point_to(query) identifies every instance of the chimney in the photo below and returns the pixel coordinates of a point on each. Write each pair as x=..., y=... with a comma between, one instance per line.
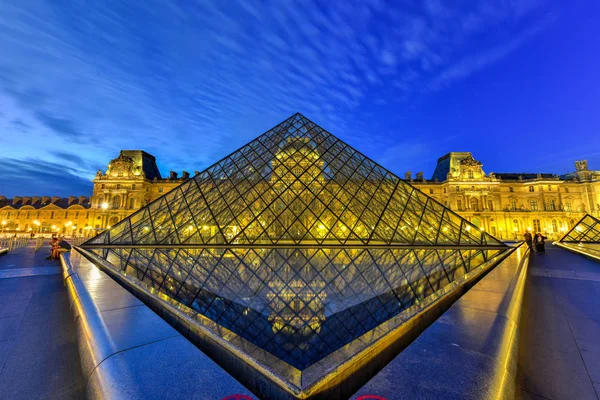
x=408, y=176
x=420, y=176
x=172, y=175
x=185, y=175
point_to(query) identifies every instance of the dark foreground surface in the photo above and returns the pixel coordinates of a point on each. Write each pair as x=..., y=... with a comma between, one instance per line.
x=559, y=349
x=38, y=350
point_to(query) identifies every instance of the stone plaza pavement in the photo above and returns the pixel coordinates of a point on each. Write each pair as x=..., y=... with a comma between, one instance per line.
x=38, y=349
x=559, y=349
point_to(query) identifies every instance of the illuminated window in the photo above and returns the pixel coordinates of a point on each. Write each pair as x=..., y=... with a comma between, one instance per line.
x=554, y=226
x=490, y=205
x=552, y=205
x=470, y=174
x=511, y=189
x=566, y=190
x=430, y=191
x=459, y=205
x=457, y=189
x=103, y=186
x=116, y=202
x=536, y=225
x=513, y=205
x=533, y=204
x=132, y=203
x=549, y=188
x=568, y=206
x=133, y=186
x=118, y=186
x=160, y=190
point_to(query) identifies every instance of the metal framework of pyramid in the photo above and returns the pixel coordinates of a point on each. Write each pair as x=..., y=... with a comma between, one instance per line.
x=587, y=230
x=297, y=243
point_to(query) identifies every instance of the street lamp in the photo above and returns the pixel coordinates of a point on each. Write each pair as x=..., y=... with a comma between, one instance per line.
x=104, y=206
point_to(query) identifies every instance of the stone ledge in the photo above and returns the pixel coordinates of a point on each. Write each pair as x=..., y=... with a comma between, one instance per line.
x=129, y=352
x=470, y=352
x=581, y=250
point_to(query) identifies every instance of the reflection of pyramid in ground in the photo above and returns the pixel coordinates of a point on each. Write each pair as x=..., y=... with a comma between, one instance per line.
x=296, y=242
x=295, y=184
x=587, y=230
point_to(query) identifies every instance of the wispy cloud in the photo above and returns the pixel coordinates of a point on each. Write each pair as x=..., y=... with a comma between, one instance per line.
x=190, y=81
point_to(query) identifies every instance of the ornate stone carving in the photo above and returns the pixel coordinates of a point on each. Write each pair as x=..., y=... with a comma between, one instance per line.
x=469, y=161
x=581, y=165
x=121, y=166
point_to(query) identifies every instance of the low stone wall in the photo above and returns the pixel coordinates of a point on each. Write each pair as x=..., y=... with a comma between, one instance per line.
x=129, y=352
x=470, y=352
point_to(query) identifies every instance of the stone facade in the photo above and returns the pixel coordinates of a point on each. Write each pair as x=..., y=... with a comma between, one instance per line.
x=507, y=204
x=503, y=204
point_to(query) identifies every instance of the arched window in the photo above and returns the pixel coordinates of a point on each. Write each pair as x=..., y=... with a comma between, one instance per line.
x=515, y=225
x=458, y=189
x=131, y=202
x=491, y=205
x=474, y=204
x=100, y=201
x=513, y=205
x=531, y=188
x=554, y=226
x=536, y=225
x=116, y=202
x=459, y=205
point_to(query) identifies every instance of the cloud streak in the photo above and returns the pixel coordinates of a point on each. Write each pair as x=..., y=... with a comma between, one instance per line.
x=191, y=81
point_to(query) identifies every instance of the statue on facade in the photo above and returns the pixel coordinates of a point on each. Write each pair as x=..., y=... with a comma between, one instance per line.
x=581, y=165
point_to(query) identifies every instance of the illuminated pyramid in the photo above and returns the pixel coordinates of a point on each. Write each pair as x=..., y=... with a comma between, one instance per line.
x=587, y=230
x=297, y=245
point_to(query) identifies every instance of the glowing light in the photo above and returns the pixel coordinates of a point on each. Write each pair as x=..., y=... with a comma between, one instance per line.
x=191, y=228
x=321, y=226
x=3, y=222
x=481, y=229
x=36, y=222
x=468, y=227
x=205, y=227
x=577, y=228
x=104, y=206
x=108, y=227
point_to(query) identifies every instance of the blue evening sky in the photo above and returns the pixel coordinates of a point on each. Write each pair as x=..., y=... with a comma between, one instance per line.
x=513, y=81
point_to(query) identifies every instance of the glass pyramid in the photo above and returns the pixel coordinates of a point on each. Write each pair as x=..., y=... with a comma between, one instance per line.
x=297, y=244
x=587, y=230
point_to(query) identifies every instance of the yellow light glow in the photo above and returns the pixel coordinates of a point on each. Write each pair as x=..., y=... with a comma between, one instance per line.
x=468, y=227
x=205, y=227
x=53, y=226
x=481, y=229
x=108, y=227
x=3, y=222
x=36, y=222
x=104, y=206
x=191, y=228
x=321, y=226
x=528, y=228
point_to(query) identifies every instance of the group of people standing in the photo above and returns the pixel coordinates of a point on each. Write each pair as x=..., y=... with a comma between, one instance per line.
x=538, y=240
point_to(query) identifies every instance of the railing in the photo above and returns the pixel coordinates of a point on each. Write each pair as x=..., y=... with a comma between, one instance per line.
x=13, y=243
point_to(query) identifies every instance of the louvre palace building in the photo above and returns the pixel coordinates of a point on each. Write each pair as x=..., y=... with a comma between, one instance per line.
x=502, y=204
